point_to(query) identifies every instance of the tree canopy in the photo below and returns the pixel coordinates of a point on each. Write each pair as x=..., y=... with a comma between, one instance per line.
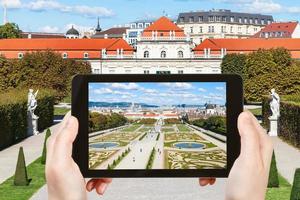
x=10, y=30
x=263, y=70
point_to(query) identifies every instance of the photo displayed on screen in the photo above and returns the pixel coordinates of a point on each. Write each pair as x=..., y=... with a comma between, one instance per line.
x=163, y=125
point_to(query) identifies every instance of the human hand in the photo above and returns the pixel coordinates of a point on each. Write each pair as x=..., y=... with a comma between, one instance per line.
x=64, y=179
x=248, y=177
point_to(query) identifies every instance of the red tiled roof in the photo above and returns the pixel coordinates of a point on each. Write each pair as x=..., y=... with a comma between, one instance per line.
x=163, y=24
x=251, y=44
x=63, y=44
x=287, y=27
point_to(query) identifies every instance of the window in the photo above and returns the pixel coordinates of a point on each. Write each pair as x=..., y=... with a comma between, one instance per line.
x=211, y=18
x=191, y=30
x=211, y=29
x=163, y=54
x=231, y=29
x=240, y=20
x=85, y=55
x=133, y=25
x=224, y=19
x=269, y=21
x=180, y=54
x=262, y=21
x=140, y=25
x=65, y=55
x=200, y=18
x=20, y=55
x=223, y=29
x=246, y=21
x=251, y=21
x=146, y=72
x=231, y=19
x=239, y=29
x=147, y=24
x=146, y=54
x=180, y=71
x=181, y=19
x=255, y=30
x=191, y=19
x=200, y=29
x=218, y=18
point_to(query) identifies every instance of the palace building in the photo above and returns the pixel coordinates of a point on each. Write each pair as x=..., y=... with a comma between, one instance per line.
x=162, y=48
x=221, y=23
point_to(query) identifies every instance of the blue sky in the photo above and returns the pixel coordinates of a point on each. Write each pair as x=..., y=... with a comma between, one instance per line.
x=58, y=15
x=159, y=93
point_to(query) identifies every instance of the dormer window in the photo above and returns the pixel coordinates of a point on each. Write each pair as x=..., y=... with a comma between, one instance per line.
x=85, y=55
x=146, y=54
x=20, y=55
x=180, y=54
x=163, y=54
x=65, y=55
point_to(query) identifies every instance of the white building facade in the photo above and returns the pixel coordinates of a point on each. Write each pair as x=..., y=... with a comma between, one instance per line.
x=222, y=23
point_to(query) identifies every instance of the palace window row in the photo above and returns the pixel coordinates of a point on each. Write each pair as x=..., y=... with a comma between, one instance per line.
x=163, y=54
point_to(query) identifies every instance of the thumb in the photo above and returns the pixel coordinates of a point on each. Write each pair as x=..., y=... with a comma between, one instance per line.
x=249, y=135
x=64, y=140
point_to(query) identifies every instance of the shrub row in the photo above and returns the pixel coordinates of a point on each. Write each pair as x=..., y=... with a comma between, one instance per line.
x=289, y=121
x=214, y=123
x=118, y=160
x=157, y=138
x=13, y=115
x=151, y=159
x=142, y=137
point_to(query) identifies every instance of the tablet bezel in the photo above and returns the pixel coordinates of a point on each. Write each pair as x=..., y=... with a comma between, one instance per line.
x=234, y=99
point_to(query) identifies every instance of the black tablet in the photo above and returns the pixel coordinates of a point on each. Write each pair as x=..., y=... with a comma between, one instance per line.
x=156, y=125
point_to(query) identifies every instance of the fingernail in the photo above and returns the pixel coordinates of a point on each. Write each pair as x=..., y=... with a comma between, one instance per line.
x=103, y=188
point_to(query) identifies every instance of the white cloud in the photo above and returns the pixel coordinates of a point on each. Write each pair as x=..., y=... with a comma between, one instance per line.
x=220, y=88
x=129, y=86
x=11, y=3
x=266, y=6
x=202, y=90
x=87, y=11
x=178, y=85
x=50, y=29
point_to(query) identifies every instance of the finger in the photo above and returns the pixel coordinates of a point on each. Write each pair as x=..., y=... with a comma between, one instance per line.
x=266, y=145
x=249, y=136
x=91, y=185
x=101, y=187
x=65, y=139
x=212, y=181
x=204, y=181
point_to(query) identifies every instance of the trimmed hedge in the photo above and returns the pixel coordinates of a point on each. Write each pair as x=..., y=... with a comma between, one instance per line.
x=295, y=194
x=289, y=121
x=13, y=115
x=273, y=174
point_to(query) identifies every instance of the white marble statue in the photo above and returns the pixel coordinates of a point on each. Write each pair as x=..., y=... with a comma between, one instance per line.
x=32, y=118
x=275, y=104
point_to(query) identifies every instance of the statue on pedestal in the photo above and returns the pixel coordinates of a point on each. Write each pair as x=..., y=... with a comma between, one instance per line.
x=275, y=104
x=32, y=118
x=275, y=108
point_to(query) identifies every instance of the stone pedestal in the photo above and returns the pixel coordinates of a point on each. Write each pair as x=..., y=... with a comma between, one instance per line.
x=273, y=126
x=32, y=125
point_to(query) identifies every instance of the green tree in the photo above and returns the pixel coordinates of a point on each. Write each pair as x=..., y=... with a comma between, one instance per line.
x=44, y=69
x=21, y=178
x=234, y=64
x=10, y=30
x=43, y=159
x=295, y=194
x=273, y=174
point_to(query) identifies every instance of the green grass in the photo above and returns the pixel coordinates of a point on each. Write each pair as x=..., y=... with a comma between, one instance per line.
x=61, y=111
x=131, y=128
x=256, y=111
x=281, y=193
x=36, y=171
x=182, y=128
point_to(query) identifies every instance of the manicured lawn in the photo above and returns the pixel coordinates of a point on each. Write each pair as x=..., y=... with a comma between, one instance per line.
x=61, y=111
x=283, y=192
x=256, y=111
x=131, y=128
x=183, y=128
x=36, y=172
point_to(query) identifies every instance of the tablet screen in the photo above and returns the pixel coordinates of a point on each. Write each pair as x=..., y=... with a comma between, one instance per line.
x=157, y=125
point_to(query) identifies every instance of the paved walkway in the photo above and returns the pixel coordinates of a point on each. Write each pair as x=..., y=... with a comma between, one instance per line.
x=155, y=189
x=32, y=146
x=287, y=158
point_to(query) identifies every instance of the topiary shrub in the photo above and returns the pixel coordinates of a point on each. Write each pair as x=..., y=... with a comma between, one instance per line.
x=43, y=159
x=21, y=178
x=273, y=174
x=295, y=194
